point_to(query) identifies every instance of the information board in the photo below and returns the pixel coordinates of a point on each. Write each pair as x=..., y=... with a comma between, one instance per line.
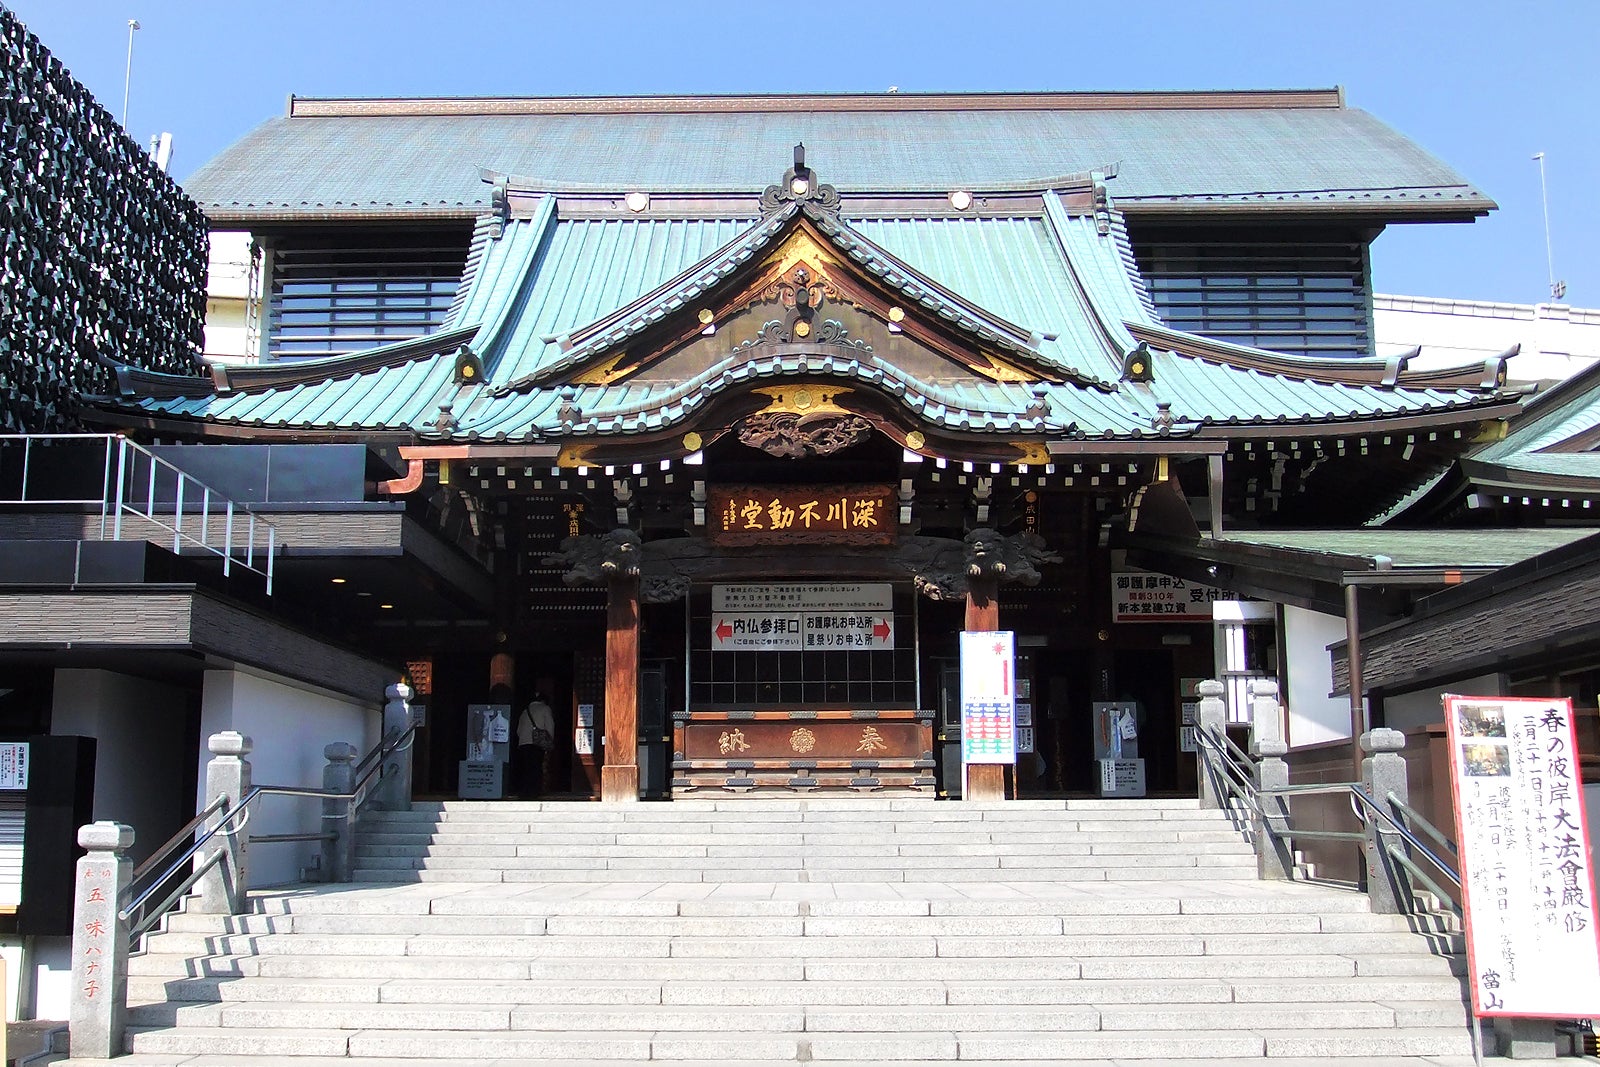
x=1144, y=596
x=14, y=765
x=806, y=616
x=1527, y=882
x=988, y=698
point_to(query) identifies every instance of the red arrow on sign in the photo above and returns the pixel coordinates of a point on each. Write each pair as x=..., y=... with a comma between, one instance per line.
x=880, y=630
x=723, y=631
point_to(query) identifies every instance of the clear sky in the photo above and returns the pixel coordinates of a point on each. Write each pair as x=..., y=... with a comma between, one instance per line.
x=1481, y=85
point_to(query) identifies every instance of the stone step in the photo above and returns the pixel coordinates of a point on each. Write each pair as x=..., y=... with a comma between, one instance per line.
x=1370, y=1045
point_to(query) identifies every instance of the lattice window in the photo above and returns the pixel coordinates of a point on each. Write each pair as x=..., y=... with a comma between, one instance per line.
x=1301, y=292
x=333, y=295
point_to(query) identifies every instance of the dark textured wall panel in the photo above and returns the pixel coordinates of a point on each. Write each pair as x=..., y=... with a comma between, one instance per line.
x=102, y=256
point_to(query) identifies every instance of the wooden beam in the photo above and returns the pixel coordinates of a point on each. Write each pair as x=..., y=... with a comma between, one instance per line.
x=985, y=781
x=619, y=776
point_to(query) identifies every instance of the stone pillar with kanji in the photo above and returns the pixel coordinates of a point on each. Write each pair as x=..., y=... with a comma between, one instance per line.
x=98, y=1007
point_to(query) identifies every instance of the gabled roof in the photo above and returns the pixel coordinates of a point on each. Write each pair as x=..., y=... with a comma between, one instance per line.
x=1300, y=151
x=1554, y=444
x=1048, y=290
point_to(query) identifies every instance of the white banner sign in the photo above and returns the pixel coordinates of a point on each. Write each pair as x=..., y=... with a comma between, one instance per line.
x=988, y=697
x=1144, y=596
x=804, y=596
x=854, y=630
x=1527, y=880
x=14, y=765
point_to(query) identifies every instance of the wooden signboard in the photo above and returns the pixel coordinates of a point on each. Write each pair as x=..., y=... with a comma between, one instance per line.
x=744, y=515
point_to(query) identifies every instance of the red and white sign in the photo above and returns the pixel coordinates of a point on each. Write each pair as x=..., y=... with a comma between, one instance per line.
x=1527, y=878
x=764, y=632
x=988, y=697
x=1144, y=596
x=823, y=631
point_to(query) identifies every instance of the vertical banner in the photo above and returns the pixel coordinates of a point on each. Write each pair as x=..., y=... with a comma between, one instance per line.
x=988, y=697
x=1527, y=879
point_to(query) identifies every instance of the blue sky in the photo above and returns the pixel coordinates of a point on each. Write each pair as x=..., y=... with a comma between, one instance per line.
x=1483, y=86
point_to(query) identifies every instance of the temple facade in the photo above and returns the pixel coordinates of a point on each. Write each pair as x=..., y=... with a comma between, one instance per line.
x=715, y=421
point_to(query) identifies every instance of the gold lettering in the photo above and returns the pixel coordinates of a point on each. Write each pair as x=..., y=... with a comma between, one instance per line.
x=808, y=513
x=872, y=741
x=781, y=517
x=732, y=741
x=865, y=513
x=752, y=515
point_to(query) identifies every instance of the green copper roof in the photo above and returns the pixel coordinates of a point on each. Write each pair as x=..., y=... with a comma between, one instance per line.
x=1057, y=286
x=1555, y=443
x=1301, y=151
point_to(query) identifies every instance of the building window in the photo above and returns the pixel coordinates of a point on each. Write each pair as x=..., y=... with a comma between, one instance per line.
x=339, y=293
x=1300, y=292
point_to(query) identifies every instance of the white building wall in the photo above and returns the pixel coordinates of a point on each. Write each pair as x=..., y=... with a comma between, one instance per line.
x=289, y=724
x=227, y=332
x=1557, y=340
x=1314, y=716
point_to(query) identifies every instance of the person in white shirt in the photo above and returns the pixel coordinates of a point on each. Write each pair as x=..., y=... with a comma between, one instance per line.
x=536, y=735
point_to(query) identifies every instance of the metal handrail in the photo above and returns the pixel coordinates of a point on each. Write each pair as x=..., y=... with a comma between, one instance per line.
x=1404, y=833
x=374, y=761
x=1366, y=808
x=118, y=498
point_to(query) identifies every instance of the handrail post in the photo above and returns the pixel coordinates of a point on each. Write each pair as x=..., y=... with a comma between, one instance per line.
x=98, y=1011
x=1383, y=772
x=339, y=816
x=224, y=888
x=393, y=791
x=1270, y=824
x=1213, y=722
x=1274, y=854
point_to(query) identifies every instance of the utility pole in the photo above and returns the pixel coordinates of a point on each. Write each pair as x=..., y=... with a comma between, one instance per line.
x=1558, y=289
x=127, y=78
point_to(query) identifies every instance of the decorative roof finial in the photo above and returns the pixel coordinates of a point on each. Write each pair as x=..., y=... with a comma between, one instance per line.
x=800, y=185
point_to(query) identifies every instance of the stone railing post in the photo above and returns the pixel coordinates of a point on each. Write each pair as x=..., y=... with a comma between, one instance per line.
x=1212, y=723
x=225, y=886
x=339, y=816
x=99, y=1002
x=1274, y=857
x=1266, y=714
x=1383, y=771
x=393, y=792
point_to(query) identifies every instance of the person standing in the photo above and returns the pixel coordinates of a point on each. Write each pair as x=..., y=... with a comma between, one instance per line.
x=536, y=735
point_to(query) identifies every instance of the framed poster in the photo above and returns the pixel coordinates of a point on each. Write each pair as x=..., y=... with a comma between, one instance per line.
x=988, y=698
x=1527, y=882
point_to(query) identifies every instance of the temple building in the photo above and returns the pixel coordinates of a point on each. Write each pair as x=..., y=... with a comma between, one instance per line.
x=716, y=420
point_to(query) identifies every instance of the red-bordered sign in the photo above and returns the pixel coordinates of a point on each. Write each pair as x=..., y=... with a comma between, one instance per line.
x=1527, y=876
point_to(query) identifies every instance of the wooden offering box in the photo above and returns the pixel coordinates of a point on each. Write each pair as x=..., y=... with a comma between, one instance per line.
x=803, y=751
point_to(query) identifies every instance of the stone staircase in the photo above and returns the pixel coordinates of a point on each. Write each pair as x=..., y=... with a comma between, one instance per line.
x=857, y=929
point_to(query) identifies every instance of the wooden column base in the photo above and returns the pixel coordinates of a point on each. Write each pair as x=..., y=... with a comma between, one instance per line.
x=620, y=784
x=986, y=781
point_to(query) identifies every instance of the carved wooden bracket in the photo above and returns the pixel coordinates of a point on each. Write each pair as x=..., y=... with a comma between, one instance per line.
x=792, y=435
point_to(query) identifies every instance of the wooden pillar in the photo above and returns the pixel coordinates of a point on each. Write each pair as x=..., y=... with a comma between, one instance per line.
x=619, y=776
x=985, y=781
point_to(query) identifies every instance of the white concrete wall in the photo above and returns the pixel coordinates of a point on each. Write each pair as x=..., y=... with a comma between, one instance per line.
x=1557, y=340
x=144, y=746
x=227, y=338
x=1407, y=711
x=289, y=724
x=1314, y=716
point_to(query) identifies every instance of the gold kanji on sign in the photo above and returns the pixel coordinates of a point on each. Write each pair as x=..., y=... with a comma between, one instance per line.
x=872, y=741
x=733, y=741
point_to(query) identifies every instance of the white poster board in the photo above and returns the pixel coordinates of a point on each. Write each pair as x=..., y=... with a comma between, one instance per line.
x=988, y=697
x=1527, y=884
